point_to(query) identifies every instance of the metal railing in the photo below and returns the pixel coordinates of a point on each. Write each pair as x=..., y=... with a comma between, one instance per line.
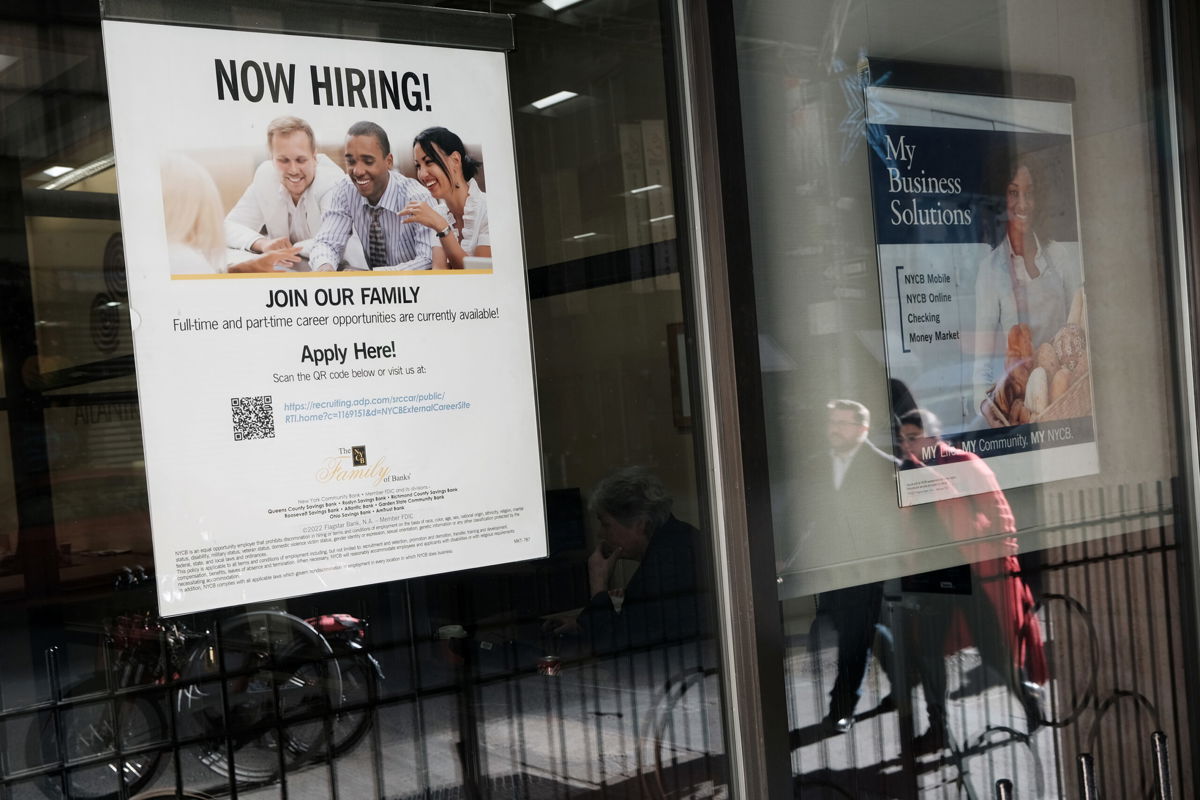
x=1106, y=582
x=486, y=720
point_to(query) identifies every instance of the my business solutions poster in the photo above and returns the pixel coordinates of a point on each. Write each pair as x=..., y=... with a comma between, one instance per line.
x=307, y=425
x=982, y=277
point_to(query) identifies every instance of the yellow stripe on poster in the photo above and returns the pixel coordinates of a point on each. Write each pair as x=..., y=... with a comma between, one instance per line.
x=355, y=272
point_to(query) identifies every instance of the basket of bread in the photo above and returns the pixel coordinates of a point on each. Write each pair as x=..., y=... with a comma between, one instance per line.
x=1048, y=381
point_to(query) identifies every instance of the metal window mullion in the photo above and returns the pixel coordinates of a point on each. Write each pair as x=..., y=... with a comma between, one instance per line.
x=750, y=631
x=1178, y=277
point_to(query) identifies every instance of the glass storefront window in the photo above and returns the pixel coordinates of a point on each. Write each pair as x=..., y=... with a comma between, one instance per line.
x=488, y=682
x=969, y=436
x=954, y=207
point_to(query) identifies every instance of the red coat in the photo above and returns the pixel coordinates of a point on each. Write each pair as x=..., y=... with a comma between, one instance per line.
x=976, y=521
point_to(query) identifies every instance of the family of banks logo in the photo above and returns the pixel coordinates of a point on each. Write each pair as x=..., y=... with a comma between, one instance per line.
x=351, y=464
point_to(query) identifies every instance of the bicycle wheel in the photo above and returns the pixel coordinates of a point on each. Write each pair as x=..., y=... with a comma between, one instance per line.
x=278, y=681
x=354, y=715
x=357, y=703
x=1001, y=752
x=92, y=729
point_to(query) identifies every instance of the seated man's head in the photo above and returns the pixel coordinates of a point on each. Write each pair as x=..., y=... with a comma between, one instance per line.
x=368, y=159
x=293, y=150
x=631, y=504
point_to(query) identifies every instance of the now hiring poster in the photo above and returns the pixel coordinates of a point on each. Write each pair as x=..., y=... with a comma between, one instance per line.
x=329, y=307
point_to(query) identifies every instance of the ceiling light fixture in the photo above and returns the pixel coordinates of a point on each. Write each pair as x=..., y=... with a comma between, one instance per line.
x=55, y=172
x=74, y=176
x=559, y=5
x=553, y=99
x=584, y=235
x=649, y=188
x=663, y=218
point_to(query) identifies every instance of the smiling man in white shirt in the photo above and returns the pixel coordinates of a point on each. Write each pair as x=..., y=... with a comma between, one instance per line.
x=283, y=205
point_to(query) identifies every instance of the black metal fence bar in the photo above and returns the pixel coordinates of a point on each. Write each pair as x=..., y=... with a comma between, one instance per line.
x=1162, y=766
x=1114, y=545
x=1087, y=777
x=5, y=789
x=224, y=689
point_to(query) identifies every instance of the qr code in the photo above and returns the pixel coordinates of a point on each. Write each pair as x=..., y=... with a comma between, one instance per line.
x=253, y=418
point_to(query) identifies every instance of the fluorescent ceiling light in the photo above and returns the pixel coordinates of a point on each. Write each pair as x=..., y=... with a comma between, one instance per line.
x=641, y=189
x=54, y=172
x=663, y=218
x=559, y=5
x=74, y=176
x=554, y=99
x=584, y=235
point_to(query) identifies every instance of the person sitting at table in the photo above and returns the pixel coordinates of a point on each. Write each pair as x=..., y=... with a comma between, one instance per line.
x=192, y=221
x=284, y=202
x=370, y=206
x=661, y=602
x=445, y=169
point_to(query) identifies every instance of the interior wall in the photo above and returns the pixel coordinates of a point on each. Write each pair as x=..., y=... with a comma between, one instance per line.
x=604, y=387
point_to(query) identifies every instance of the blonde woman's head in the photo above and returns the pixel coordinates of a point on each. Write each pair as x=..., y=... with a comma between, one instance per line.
x=192, y=208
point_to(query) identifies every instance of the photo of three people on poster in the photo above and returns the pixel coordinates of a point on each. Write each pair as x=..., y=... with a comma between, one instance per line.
x=302, y=212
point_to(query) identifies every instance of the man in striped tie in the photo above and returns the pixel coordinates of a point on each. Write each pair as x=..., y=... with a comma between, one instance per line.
x=368, y=205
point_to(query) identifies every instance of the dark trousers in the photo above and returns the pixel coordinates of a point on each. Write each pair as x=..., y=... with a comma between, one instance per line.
x=855, y=613
x=933, y=620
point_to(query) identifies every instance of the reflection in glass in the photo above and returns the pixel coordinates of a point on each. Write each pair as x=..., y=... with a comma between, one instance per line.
x=992, y=599
x=1065, y=585
x=474, y=692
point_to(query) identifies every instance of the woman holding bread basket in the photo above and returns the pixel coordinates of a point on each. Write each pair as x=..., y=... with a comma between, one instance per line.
x=1027, y=291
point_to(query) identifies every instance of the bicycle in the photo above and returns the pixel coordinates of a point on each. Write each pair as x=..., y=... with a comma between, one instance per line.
x=360, y=674
x=263, y=710
x=257, y=697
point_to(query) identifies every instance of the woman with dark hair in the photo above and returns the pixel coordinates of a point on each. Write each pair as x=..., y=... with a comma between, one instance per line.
x=998, y=608
x=445, y=169
x=1025, y=280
